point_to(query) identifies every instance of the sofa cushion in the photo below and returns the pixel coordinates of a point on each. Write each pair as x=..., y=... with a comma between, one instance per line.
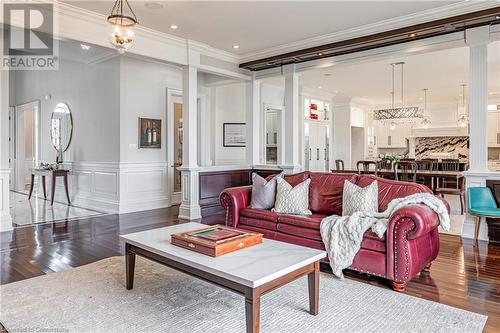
x=372, y=242
x=256, y=223
x=391, y=189
x=311, y=222
x=292, y=199
x=325, y=192
x=261, y=214
x=263, y=192
x=299, y=232
x=359, y=199
x=296, y=178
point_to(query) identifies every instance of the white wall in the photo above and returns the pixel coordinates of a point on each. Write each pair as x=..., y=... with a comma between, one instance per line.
x=341, y=124
x=230, y=107
x=92, y=94
x=143, y=91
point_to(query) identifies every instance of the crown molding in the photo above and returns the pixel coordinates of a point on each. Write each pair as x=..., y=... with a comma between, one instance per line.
x=381, y=26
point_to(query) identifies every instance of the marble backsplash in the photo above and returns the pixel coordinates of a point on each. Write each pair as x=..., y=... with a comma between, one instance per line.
x=456, y=146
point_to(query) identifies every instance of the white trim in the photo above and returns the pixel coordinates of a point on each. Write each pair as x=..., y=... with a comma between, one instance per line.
x=369, y=29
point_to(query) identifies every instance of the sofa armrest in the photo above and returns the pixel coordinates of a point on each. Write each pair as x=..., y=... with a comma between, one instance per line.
x=422, y=217
x=412, y=241
x=234, y=199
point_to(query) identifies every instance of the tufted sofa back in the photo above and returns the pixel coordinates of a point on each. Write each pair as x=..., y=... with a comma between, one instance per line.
x=325, y=191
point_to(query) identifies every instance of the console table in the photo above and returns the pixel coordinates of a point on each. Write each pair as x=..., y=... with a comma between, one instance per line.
x=54, y=173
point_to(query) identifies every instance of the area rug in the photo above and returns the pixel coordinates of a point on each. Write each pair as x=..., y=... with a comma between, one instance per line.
x=93, y=298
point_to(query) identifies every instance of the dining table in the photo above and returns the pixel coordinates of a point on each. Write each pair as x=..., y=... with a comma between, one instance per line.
x=430, y=177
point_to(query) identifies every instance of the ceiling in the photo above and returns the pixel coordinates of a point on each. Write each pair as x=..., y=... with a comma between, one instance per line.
x=72, y=50
x=259, y=25
x=369, y=83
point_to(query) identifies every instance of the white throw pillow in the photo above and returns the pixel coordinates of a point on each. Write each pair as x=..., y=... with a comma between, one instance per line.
x=292, y=200
x=358, y=199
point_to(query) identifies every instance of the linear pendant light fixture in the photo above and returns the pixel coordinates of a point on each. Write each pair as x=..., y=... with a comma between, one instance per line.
x=403, y=114
x=123, y=21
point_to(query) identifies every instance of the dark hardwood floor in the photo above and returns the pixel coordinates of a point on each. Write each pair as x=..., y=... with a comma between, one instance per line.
x=463, y=276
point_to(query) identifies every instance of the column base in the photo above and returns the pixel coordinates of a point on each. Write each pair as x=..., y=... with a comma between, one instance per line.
x=190, y=201
x=189, y=212
x=469, y=228
x=5, y=218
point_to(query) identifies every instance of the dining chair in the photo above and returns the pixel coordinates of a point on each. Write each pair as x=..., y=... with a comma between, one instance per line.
x=449, y=164
x=384, y=164
x=364, y=167
x=481, y=203
x=426, y=165
x=458, y=188
x=339, y=164
x=406, y=171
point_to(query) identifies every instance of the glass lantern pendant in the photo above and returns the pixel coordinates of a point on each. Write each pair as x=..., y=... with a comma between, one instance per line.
x=123, y=21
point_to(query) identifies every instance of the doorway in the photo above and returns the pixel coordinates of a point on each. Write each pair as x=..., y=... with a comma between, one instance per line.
x=25, y=148
x=272, y=140
x=175, y=142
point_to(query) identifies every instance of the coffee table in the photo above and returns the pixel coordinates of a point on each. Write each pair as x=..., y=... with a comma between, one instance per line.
x=250, y=272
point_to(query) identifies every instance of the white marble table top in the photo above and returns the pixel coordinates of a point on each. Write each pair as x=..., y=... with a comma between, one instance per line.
x=252, y=266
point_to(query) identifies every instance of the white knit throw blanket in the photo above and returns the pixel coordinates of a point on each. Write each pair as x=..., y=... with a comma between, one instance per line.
x=342, y=235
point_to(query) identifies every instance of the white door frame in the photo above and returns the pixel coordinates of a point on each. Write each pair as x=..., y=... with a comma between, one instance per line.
x=19, y=165
x=173, y=95
x=279, y=110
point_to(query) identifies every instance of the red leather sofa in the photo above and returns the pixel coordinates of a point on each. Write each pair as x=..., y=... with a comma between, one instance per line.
x=410, y=245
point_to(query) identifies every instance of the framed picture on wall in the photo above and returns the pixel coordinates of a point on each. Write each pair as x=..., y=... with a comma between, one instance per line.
x=234, y=134
x=149, y=133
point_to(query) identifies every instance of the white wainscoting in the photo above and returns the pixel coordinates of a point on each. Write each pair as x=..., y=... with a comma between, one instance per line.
x=5, y=218
x=114, y=187
x=143, y=186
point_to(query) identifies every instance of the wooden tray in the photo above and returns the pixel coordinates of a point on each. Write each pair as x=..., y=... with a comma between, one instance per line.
x=231, y=239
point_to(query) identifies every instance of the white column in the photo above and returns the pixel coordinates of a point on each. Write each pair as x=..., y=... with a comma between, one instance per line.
x=477, y=39
x=290, y=146
x=341, y=127
x=190, y=205
x=5, y=218
x=253, y=114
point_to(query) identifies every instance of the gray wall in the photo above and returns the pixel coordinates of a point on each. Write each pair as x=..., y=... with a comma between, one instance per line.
x=92, y=93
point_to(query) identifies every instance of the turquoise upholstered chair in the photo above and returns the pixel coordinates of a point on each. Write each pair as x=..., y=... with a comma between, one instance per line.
x=481, y=203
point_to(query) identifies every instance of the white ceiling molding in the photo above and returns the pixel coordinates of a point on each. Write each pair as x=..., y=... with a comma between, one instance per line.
x=79, y=24
x=369, y=29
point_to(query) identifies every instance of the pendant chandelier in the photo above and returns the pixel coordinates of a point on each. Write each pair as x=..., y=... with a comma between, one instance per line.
x=403, y=114
x=426, y=122
x=123, y=21
x=463, y=118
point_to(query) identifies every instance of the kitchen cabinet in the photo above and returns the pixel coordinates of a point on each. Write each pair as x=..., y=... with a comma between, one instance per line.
x=317, y=147
x=385, y=137
x=493, y=129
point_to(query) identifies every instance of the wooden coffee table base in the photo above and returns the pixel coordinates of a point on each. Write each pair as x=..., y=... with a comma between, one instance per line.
x=252, y=295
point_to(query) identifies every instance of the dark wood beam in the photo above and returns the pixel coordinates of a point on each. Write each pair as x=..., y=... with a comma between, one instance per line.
x=397, y=36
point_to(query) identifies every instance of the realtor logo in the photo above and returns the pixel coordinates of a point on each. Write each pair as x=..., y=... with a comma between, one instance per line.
x=28, y=41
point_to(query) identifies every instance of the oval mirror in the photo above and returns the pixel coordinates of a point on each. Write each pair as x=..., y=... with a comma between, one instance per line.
x=61, y=127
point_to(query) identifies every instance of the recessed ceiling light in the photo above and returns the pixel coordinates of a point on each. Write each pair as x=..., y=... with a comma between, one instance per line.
x=412, y=35
x=320, y=87
x=320, y=54
x=173, y=26
x=85, y=47
x=153, y=5
x=497, y=17
x=236, y=46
